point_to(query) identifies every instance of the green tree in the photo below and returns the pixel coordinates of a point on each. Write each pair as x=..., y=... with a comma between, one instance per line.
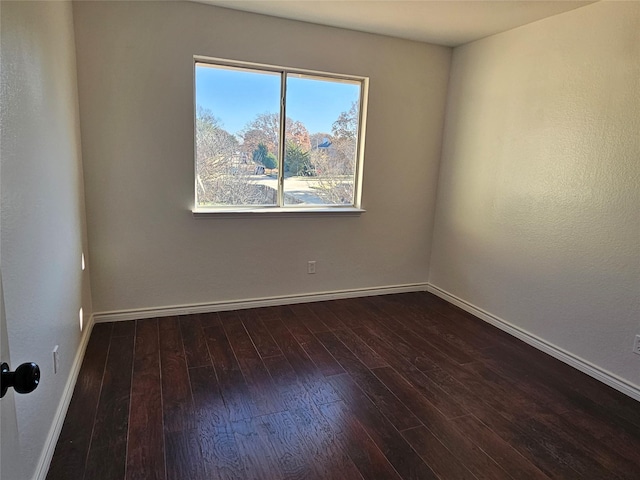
x=296, y=160
x=263, y=156
x=260, y=153
x=270, y=161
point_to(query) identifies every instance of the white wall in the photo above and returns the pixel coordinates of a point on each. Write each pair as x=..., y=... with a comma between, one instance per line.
x=538, y=211
x=42, y=206
x=135, y=64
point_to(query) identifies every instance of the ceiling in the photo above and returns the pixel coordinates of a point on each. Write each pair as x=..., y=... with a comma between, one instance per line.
x=443, y=22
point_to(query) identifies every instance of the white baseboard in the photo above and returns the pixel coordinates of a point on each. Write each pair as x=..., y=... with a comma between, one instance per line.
x=137, y=314
x=44, y=461
x=584, y=366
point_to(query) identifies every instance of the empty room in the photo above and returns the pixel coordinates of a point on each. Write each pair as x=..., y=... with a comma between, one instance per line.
x=320, y=239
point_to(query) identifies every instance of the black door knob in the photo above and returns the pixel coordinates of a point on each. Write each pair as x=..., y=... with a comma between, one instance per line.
x=24, y=380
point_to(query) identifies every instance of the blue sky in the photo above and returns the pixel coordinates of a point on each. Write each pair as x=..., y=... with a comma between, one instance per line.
x=236, y=97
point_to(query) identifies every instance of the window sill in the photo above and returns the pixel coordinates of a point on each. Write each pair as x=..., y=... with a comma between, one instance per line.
x=278, y=212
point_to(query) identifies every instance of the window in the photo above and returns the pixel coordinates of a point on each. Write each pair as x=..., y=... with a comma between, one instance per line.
x=276, y=139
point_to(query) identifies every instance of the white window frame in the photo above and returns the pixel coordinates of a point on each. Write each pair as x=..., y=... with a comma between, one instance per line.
x=281, y=208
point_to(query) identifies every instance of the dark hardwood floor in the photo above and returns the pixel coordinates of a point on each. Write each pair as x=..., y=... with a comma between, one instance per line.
x=398, y=386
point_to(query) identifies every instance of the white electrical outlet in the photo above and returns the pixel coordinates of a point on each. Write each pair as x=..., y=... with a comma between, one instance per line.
x=311, y=266
x=56, y=359
x=636, y=345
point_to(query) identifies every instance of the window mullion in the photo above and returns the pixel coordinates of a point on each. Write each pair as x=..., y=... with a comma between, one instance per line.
x=281, y=140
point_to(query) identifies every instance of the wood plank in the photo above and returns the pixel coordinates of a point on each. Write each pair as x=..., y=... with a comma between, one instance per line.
x=533, y=448
x=145, y=445
x=124, y=329
x=357, y=315
x=229, y=316
x=262, y=339
x=237, y=398
x=421, y=333
x=360, y=349
x=495, y=447
x=308, y=374
x=70, y=455
x=611, y=460
x=445, y=403
x=431, y=349
x=182, y=451
x=290, y=387
x=102, y=465
x=321, y=443
x=176, y=391
x=326, y=364
x=436, y=455
x=383, y=398
x=418, y=352
x=255, y=374
x=541, y=445
x=195, y=346
x=476, y=401
x=259, y=458
x=583, y=391
x=465, y=450
x=452, y=320
x=606, y=433
x=399, y=453
x=347, y=315
x=566, y=448
x=495, y=391
x=459, y=351
x=220, y=454
x=183, y=456
x=558, y=386
x=280, y=432
x=322, y=446
x=211, y=319
x=109, y=438
x=354, y=440
x=324, y=313
x=308, y=317
x=520, y=378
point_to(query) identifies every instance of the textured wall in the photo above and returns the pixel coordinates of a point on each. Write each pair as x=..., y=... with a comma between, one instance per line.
x=538, y=212
x=135, y=76
x=42, y=206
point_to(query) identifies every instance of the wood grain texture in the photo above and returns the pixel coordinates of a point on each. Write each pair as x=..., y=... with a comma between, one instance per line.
x=436, y=455
x=109, y=438
x=220, y=454
x=145, y=446
x=236, y=395
x=256, y=376
x=381, y=396
x=400, y=455
x=183, y=456
x=393, y=387
x=70, y=456
x=195, y=345
x=262, y=339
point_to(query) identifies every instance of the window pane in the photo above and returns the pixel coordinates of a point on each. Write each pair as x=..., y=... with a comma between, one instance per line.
x=237, y=136
x=321, y=138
